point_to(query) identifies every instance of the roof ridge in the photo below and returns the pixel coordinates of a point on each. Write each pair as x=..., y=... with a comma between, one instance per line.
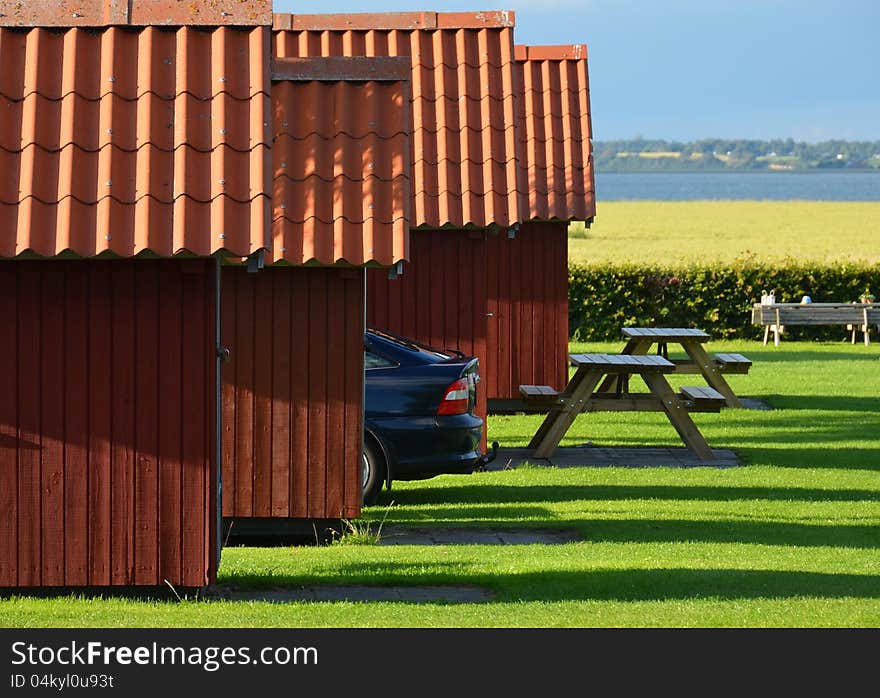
x=105, y=13
x=411, y=21
x=559, y=52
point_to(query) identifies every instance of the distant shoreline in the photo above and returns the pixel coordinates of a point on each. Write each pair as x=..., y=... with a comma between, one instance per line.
x=639, y=154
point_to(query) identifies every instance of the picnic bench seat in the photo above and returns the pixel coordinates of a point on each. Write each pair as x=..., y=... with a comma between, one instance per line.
x=776, y=316
x=540, y=396
x=722, y=363
x=703, y=398
x=694, y=399
x=732, y=363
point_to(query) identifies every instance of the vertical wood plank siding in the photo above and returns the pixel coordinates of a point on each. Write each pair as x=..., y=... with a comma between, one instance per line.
x=292, y=392
x=502, y=299
x=441, y=298
x=528, y=299
x=107, y=418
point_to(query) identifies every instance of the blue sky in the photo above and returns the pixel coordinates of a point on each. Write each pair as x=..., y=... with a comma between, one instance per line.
x=689, y=69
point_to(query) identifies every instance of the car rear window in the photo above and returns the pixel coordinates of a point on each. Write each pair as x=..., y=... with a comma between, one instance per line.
x=425, y=352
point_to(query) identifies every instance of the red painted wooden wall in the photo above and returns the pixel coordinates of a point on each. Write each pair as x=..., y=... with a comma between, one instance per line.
x=441, y=297
x=500, y=298
x=527, y=340
x=107, y=423
x=292, y=392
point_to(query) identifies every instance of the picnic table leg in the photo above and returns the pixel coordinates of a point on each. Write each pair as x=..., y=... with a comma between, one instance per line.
x=549, y=420
x=635, y=345
x=711, y=373
x=557, y=423
x=679, y=416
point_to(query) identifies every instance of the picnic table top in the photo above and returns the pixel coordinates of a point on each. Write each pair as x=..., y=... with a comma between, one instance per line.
x=665, y=334
x=623, y=363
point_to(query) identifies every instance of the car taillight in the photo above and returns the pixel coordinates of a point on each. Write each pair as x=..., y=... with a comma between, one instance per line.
x=456, y=398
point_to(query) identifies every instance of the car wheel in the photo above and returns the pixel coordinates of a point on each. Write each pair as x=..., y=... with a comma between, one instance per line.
x=372, y=472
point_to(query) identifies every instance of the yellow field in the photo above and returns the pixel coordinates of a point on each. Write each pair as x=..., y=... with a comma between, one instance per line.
x=672, y=232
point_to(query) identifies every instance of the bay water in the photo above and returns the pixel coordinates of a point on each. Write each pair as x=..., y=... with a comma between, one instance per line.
x=750, y=186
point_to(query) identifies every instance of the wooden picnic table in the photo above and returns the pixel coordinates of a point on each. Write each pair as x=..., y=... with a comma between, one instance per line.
x=641, y=339
x=582, y=394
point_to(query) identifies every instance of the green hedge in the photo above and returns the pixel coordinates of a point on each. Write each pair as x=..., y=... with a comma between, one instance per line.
x=602, y=299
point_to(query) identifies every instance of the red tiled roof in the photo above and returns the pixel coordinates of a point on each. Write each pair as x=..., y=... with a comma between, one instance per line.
x=131, y=140
x=463, y=139
x=100, y=13
x=127, y=141
x=555, y=132
x=341, y=163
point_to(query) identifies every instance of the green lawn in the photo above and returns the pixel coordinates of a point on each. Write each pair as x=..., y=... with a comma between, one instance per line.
x=721, y=231
x=789, y=539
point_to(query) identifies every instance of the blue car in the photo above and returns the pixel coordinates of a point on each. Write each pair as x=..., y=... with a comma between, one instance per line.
x=418, y=412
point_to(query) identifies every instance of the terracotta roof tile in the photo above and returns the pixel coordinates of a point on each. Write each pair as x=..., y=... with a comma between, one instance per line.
x=341, y=171
x=128, y=140
x=99, y=13
x=555, y=132
x=463, y=114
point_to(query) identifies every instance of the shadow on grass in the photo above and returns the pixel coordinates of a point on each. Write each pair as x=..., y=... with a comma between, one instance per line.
x=806, y=437
x=600, y=530
x=531, y=494
x=607, y=585
x=831, y=403
x=686, y=531
x=785, y=457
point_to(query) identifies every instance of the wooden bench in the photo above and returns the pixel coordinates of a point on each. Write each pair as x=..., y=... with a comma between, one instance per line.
x=540, y=396
x=723, y=363
x=702, y=398
x=693, y=398
x=732, y=363
x=855, y=316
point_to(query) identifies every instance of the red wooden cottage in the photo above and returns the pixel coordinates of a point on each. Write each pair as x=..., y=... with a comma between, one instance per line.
x=133, y=156
x=293, y=389
x=170, y=195
x=501, y=163
x=478, y=200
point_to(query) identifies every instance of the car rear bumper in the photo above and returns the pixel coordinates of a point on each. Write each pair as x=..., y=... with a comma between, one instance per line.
x=422, y=447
